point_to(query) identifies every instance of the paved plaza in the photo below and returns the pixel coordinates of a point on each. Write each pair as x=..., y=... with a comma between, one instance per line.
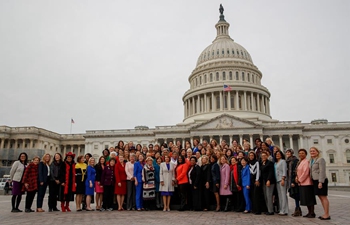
x=339, y=200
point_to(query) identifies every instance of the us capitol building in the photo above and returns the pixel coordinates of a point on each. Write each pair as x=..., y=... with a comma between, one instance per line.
x=242, y=112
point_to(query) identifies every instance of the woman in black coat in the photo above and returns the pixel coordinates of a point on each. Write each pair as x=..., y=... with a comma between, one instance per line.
x=195, y=183
x=205, y=182
x=54, y=184
x=215, y=175
x=268, y=181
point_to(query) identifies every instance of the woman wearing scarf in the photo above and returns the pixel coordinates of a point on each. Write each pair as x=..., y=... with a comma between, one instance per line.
x=236, y=186
x=256, y=193
x=80, y=169
x=292, y=187
x=149, y=186
x=138, y=167
x=67, y=181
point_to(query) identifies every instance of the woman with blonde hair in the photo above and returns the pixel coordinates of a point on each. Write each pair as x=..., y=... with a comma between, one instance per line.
x=319, y=180
x=44, y=177
x=90, y=183
x=80, y=169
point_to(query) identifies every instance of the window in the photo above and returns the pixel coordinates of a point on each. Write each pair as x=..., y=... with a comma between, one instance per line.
x=230, y=75
x=211, y=77
x=239, y=102
x=95, y=146
x=205, y=78
x=232, y=101
x=334, y=177
x=106, y=146
x=210, y=104
x=217, y=52
x=315, y=141
x=44, y=146
x=242, y=76
x=200, y=80
x=248, y=77
x=233, y=52
x=346, y=141
x=223, y=51
x=217, y=76
x=50, y=147
x=237, y=76
x=195, y=105
x=196, y=81
x=237, y=52
x=212, y=53
x=228, y=51
x=329, y=141
x=331, y=158
x=223, y=76
x=347, y=156
x=218, y=102
x=253, y=78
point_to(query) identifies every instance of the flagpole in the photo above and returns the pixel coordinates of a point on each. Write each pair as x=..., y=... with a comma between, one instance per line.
x=71, y=127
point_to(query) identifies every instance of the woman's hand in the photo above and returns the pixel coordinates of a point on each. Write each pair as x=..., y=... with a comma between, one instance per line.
x=26, y=185
x=119, y=184
x=292, y=185
x=207, y=185
x=136, y=183
x=268, y=183
x=225, y=186
x=319, y=185
x=257, y=183
x=63, y=184
x=282, y=183
x=41, y=183
x=173, y=183
x=217, y=185
x=90, y=184
x=247, y=187
x=162, y=183
x=57, y=181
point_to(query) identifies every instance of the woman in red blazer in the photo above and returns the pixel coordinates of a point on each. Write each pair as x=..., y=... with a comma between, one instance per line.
x=30, y=182
x=182, y=180
x=120, y=184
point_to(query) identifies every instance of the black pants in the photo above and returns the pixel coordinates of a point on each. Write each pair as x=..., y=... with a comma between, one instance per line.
x=108, y=194
x=206, y=198
x=256, y=198
x=53, y=194
x=41, y=194
x=196, y=198
x=238, y=203
x=29, y=199
x=183, y=195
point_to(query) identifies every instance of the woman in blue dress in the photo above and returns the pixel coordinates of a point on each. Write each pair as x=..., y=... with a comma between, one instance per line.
x=90, y=183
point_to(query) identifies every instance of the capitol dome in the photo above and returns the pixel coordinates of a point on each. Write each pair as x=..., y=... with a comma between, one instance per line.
x=225, y=80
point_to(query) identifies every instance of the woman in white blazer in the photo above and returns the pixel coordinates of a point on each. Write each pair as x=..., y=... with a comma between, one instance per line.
x=167, y=181
x=281, y=174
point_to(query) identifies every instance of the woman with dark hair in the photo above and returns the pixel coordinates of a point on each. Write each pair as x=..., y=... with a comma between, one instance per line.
x=291, y=185
x=215, y=175
x=30, y=182
x=195, y=146
x=236, y=185
x=108, y=181
x=16, y=174
x=149, y=187
x=281, y=174
x=105, y=154
x=159, y=201
x=138, y=147
x=268, y=181
x=99, y=167
x=120, y=184
x=194, y=178
x=307, y=196
x=44, y=177
x=205, y=182
x=182, y=181
x=245, y=174
x=256, y=194
x=225, y=192
x=54, y=184
x=67, y=180
x=228, y=153
x=120, y=145
x=80, y=169
x=138, y=167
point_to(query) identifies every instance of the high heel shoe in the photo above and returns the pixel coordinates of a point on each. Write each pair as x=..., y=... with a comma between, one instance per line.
x=40, y=210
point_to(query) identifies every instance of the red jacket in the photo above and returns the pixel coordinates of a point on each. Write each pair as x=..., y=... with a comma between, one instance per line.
x=30, y=177
x=181, y=173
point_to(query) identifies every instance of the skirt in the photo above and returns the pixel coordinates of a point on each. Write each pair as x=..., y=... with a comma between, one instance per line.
x=98, y=188
x=80, y=189
x=214, y=188
x=167, y=193
x=17, y=188
x=324, y=190
x=307, y=196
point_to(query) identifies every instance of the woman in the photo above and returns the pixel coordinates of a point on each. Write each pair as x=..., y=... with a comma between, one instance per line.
x=130, y=183
x=291, y=186
x=120, y=145
x=194, y=175
x=148, y=179
x=188, y=156
x=108, y=181
x=54, y=184
x=167, y=181
x=99, y=167
x=205, y=182
x=246, y=148
x=268, y=181
x=90, y=183
x=281, y=174
x=236, y=185
x=215, y=175
x=182, y=181
x=195, y=145
x=225, y=191
x=80, y=169
x=228, y=153
x=138, y=167
x=320, y=181
x=245, y=174
x=303, y=179
x=105, y=154
x=159, y=200
x=256, y=194
x=67, y=180
x=30, y=183
x=16, y=173
x=44, y=177
x=120, y=184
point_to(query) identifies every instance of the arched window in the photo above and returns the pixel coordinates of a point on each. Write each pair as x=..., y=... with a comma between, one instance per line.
x=243, y=76
x=223, y=76
x=233, y=52
x=205, y=78
x=223, y=51
x=211, y=77
x=217, y=102
x=248, y=77
x=217, y=76
x=230, y=74
x=228, y=51
x=253, y=78
x=200, y=80
x=217, y=52
x=196, y=81
x=347, y=156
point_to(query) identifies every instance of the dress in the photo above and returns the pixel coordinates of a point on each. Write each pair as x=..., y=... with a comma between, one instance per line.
x=80, y=173
x=120, y=175
x=91, y=174
x=148, y=178
x=215, y=175
x=167, y=175
x=67, y=176
x=98, y=185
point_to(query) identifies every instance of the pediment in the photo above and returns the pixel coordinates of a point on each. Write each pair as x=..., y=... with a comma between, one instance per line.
x=225, y=121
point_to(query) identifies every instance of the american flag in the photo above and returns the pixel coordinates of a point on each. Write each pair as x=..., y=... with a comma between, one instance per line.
x=71, y=120
x=227, y=88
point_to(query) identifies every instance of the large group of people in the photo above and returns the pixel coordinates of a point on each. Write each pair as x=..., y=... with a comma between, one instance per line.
x=232, y=176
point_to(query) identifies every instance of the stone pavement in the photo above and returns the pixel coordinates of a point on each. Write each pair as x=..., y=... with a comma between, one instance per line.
x=339, y=201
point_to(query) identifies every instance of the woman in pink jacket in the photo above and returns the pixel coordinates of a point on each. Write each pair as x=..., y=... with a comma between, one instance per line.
x=303, y=179
x=225, y=191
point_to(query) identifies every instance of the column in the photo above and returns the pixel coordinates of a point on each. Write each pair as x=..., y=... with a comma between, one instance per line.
x=183, y=143
x=228, y=100
x=205, y=103
x=245, y=101
x=211, y=138
x=240, y=139
x=251, y=141
x=281, y=141
x=31, y=143
x=23, y=143
x=221, y=101
x=78, y=149
x=2, y=143
x=64, y=150
x=301, y=141
x=200, y=139
x=291, y=141
x=191, y=141
x=185, y=108
x=198, y=104
x=212, y=101
x=252, y=101
x=174, y=141
x=15, y=144
x=268, y=105
x=220, y=136
x=231, y=139
x=262, y=137
x=258, y=99
x=237, y=100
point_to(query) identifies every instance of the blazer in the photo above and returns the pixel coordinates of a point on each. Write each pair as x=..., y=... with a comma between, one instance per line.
x=233, y=185
x=31, y=177
x=225, y=180
x=245, y=176
x=205, y=174
x=138, y=171
x=167, y=176
x=181, y=173
x=195, y=176
x=215, y=173
x=303, y=173
x=17, y=171
x=280, y=170
x=108, y=176
x=318, y=170
x=267, y=172
x=43, y=171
